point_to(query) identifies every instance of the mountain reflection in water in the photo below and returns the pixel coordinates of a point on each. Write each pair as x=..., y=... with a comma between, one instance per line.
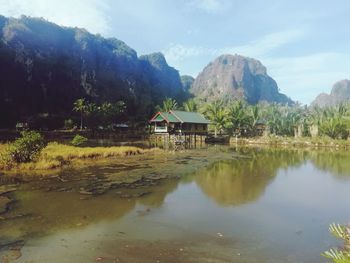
x=268, y=204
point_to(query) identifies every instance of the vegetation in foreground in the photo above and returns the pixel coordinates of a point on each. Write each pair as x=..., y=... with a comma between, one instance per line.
x=340, y=255
x=30, y=153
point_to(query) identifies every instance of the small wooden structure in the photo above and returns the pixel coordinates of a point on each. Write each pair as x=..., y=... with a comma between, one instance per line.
x=179, y=123
x=179, y=129
x=260, y=127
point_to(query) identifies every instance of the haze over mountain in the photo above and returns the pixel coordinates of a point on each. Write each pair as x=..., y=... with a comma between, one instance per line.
x=44, y=68
x=237, y=77
x=340, y=93
x=187, y=82
x=301, y=51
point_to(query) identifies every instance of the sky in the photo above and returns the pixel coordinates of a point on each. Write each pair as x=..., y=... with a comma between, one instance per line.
x=305, y=45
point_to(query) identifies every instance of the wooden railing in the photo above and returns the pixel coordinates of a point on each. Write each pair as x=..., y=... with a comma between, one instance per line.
x=160, y=129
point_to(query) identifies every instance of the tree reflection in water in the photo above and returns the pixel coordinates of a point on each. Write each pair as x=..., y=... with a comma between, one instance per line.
x=243, y=180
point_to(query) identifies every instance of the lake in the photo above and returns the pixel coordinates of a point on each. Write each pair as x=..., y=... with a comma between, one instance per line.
x=212, y=204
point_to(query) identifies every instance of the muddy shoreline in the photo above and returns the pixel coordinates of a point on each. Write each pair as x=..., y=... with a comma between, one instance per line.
x=131, y=178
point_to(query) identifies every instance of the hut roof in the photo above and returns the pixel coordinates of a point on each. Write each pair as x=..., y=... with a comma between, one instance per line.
x=190, y=117
x=176, y=116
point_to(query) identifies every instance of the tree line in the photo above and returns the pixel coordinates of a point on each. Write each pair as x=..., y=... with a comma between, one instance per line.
x=93, y=115
x=236, y=117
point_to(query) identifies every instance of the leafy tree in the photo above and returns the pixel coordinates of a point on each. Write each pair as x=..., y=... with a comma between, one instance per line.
x=190, y=105
x=238, y=117
x=80, y=105
x=25, y=149
x=217, y=114
x=255, y=116
x=168, y=105
x=332, y=121
x=99, y=115
x=93, y=115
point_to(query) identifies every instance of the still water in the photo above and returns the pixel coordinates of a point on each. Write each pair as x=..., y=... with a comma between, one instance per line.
x=216, y=204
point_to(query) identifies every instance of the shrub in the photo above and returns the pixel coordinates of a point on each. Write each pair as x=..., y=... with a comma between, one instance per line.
x=342, y=255
x=79, y=140
x=25, y=149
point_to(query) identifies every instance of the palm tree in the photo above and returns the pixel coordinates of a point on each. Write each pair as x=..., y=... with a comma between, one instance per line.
x=169, y=104
x=273, y=118
x=239, y=119
x=80, y=105
x=190, y=105
x=255, y=115
x=332, y=121
x=217, y=114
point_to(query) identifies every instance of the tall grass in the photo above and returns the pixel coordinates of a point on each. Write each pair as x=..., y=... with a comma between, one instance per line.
x=56, y=155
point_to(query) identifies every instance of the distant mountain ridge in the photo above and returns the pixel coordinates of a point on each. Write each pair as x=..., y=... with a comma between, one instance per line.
x=237, y=77
x=340, y=93
x=44, y=68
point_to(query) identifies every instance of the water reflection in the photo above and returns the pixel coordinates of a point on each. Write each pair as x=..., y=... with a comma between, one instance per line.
x=49, y=212
x=334, y=161
x=243, y=180
x=232, y=183
x=232, y=177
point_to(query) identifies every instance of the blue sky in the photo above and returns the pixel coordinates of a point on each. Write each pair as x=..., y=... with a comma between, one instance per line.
x=305, y=45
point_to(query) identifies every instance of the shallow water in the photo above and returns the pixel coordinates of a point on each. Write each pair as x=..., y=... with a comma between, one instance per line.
x=216, y=204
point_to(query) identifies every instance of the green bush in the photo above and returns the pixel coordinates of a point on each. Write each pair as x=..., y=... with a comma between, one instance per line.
x=26, y=148
x=79, y=140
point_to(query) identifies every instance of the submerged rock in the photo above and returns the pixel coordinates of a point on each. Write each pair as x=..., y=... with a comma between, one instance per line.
x=94, y=190
x=85, y=192
x=11, y=251
x=134, y=195
x=5, y=189
x=4, y=203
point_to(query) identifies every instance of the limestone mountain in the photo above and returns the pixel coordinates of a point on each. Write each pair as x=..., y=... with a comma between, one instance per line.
x=44, y=68
x=340, y=93
x=187, y=82
x=161, y=75
x=237, y=77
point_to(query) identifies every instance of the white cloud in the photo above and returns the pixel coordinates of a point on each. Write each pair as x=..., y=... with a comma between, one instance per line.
x=89, y=14
x=304, y=77
x=256, y=48
x=177, y=52
x=266, y=44
x=300, y=77
x=210, y=6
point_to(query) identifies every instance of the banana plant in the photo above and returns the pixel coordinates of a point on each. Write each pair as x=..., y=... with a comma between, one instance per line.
x=339, y=255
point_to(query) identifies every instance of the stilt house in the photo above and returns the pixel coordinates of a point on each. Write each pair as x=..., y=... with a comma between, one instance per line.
x=179, y=122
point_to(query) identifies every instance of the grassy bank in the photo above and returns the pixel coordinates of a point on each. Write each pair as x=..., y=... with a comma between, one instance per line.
x=291, y=141
x=56, y=155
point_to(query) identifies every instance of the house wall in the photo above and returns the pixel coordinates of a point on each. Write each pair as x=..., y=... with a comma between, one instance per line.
x=160, y=127
x=194, y=128
x=163, y=127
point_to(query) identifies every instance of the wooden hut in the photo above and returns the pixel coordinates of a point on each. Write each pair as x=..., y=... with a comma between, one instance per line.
x=179, y=122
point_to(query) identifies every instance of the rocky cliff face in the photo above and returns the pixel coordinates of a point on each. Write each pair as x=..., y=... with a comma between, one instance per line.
x=164, y=78
x=187, y=82
x=238, y=77
x=44, y=68
x=340, y=93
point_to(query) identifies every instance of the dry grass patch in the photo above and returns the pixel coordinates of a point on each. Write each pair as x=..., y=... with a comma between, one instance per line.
x=56, y=155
